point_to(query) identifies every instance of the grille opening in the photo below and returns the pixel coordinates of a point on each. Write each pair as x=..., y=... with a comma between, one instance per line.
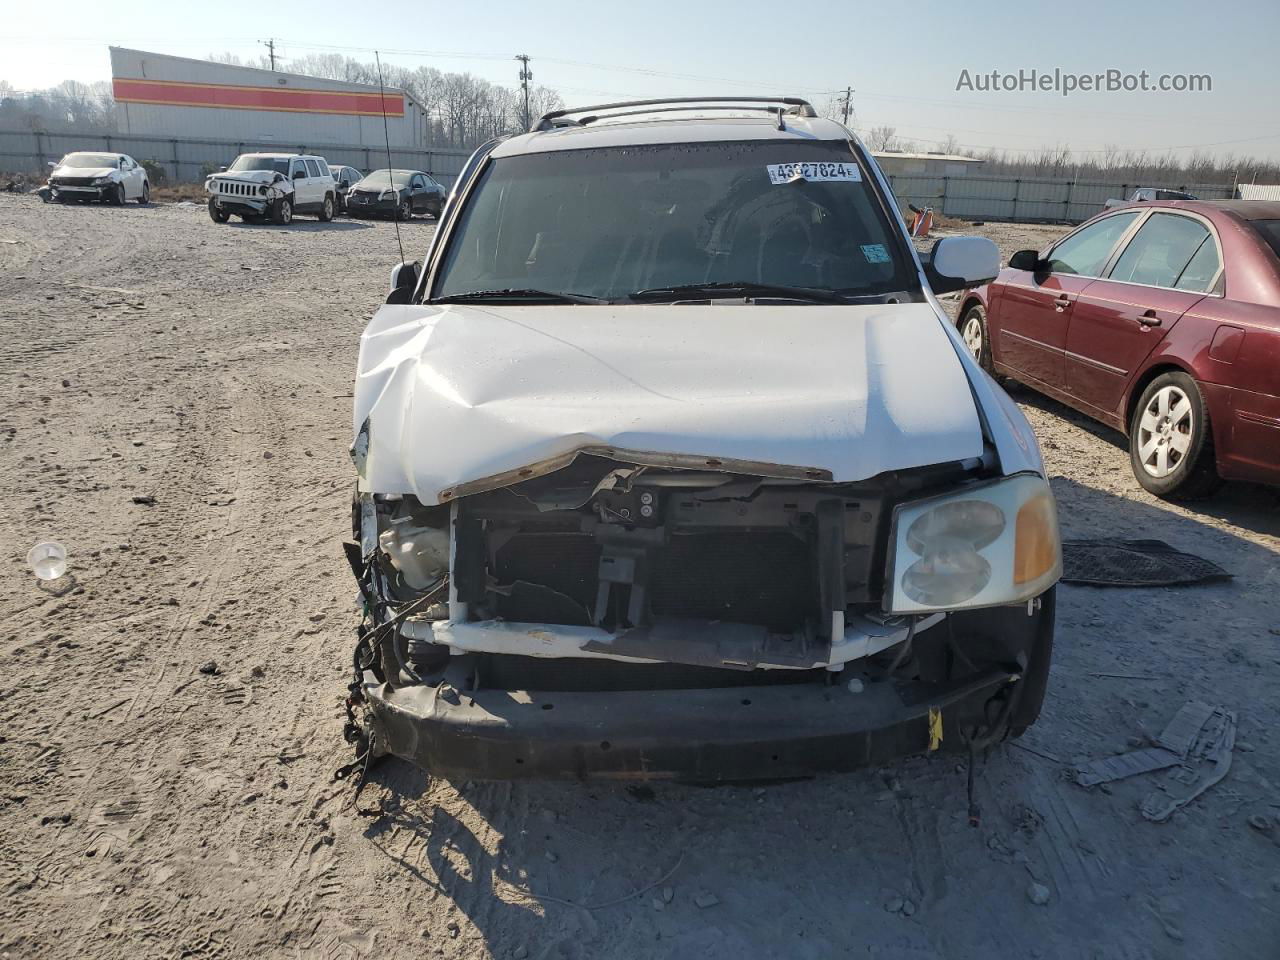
x=762, y=578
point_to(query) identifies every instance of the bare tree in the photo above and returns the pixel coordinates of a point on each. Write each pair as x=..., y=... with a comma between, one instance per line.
x=882, y=137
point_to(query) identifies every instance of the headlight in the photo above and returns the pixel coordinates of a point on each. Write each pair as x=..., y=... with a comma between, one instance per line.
x=101, y=181
x=263, y=190
x=988, y=545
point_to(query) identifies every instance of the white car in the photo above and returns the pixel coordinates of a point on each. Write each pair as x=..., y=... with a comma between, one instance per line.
x=107, y=177
x=671, y=465
x=275, y=186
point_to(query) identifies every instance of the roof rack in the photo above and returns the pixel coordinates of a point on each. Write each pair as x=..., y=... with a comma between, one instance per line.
x=566, y=118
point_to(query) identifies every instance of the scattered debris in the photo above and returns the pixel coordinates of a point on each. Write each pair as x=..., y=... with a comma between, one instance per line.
x=706, y=899
x=1134, y=563
x=1260, y=823
x=1213, y=755
x=210, y=669
x=1172, y=747
x=144, y=500
x=1037, y=893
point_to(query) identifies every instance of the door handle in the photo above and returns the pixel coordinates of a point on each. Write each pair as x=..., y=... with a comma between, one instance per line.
x=1061, y=304
x=1149, y=319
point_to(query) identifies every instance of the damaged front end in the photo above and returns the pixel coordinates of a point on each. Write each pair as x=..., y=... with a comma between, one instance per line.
x=661, y=619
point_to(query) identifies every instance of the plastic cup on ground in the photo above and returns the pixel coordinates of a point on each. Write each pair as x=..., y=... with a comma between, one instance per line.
x=48, y=560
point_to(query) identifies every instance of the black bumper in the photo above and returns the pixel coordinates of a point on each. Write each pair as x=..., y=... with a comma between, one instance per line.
x=703, y=735
x=375, y=208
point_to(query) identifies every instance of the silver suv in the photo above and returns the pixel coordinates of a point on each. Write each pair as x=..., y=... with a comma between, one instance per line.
x=670, y=464
x=272, y=186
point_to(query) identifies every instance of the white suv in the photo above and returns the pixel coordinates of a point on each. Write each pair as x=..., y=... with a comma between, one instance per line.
x=671, y=464
x=258, y=186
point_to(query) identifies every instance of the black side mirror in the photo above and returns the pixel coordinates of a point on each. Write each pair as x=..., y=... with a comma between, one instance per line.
x=404, y=279
x=223, y=168
x=1028, y=260
x=299, y=174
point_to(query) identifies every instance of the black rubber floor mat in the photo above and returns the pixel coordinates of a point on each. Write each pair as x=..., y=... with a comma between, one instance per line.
x=1134, y=563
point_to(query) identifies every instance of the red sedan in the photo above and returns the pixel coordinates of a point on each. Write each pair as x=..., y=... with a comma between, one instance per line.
x=1161, y=320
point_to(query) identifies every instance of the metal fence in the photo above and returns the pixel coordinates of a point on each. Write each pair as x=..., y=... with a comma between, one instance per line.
x=1028, y=199
x=190, y=160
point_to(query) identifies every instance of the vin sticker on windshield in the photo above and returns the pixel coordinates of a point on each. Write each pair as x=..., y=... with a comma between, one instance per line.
x=875, y=253
x=813, y=172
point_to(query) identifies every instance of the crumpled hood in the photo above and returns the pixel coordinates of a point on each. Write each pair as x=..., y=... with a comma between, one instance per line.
x=83, y=171
x=459, y=398
x=248, y=176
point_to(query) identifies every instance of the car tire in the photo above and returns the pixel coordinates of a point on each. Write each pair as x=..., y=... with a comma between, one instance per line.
x=282, y=211
x=973, y=331
x=145, y=197
x=1171, y=439
x=117, y=196
x=404, y=211
x=326, y=209
x=216, y=213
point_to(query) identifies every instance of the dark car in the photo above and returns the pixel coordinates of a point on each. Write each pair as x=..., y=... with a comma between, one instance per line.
x=1162, y=321
x=345, y=178
x=396, y=193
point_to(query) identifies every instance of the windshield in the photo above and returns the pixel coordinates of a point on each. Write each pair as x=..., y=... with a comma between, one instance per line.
x=381, y=179
x=91, y=160
x=245, y=164
x=612, y=222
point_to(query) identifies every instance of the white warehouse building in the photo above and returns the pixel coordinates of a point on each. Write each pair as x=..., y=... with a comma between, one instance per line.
x=158, y=95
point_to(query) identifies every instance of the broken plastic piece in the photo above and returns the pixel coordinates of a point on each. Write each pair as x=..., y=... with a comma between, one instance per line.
x=1174, y=743
x=1214, y=747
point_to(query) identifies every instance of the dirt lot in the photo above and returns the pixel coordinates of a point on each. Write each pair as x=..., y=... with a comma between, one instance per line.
x=149, y=808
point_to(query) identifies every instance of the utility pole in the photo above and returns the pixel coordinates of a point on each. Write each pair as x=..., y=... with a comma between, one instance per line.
x=525, y=77
x=271, y=50
x=846, y=105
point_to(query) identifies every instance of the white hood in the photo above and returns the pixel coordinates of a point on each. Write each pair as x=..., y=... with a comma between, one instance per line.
x=83, y=171
x=460, y=398
x=248, y=176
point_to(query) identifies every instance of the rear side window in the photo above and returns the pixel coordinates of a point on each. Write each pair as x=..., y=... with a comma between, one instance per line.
x=324, y=168
x=1161, y=250
x=1269, y=230
x=313, y=169
x=1086, y=251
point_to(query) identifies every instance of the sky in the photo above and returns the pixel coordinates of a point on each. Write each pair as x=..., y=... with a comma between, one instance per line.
x=903, y=61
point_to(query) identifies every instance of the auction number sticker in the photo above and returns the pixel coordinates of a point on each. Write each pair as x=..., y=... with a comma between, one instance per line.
x=813, y=172
x=875, y=253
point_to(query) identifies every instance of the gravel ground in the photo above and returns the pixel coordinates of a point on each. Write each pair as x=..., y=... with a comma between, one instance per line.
x=170, y=718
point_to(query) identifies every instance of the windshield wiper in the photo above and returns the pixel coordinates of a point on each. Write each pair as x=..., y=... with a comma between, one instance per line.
x=743, y=287
x=512, y=293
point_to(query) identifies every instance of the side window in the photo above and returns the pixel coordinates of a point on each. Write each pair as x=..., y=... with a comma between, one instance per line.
x=1202, y=269
x=313, y=168
x=417, y=183
x=431, y=181
x=296, y=167
x=1085, y=252
x=324, y=168
x=1160, y=250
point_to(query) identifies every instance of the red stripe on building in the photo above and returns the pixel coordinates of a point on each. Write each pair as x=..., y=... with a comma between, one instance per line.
x=287, y=99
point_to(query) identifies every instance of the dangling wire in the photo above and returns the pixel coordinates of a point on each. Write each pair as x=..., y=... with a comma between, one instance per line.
x=386, y=134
